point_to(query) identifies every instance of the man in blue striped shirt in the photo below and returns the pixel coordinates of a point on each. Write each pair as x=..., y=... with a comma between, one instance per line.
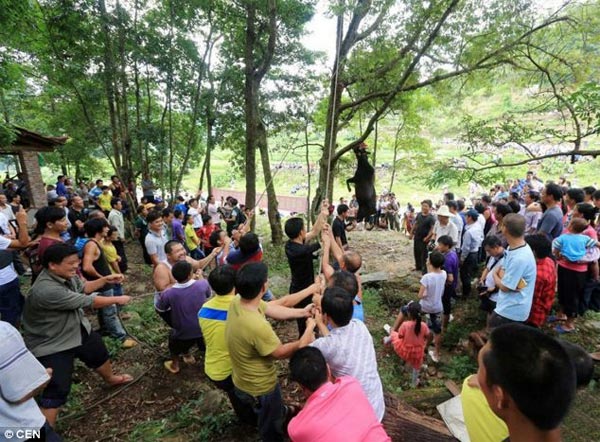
x=471, y=243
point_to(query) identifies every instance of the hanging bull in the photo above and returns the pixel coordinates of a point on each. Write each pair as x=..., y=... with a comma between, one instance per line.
x=364, y=184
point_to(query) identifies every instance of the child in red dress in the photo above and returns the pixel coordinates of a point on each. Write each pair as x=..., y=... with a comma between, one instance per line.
x=410, y=339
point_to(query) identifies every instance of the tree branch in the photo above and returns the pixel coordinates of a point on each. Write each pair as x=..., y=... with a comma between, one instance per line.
x=488, y=166
x=268, y=57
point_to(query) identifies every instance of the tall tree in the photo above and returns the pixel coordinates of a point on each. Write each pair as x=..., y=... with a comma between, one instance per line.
x=423, y=43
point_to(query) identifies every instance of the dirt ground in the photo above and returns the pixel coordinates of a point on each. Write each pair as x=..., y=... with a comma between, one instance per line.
x=162, y=406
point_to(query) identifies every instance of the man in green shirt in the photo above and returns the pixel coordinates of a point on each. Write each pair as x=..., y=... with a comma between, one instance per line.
x=56, y=330
x=253, y=347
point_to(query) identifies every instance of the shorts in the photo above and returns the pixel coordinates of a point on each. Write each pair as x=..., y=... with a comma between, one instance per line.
x=434, y=323
x=449, y=293
x=486, y=304
x=497, y=320
x=182, y=346
x=92, y=352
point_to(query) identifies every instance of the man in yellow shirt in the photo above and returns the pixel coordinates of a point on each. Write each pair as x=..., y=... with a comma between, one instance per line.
x=253, y=348
x=212, y=317
x=481, y=422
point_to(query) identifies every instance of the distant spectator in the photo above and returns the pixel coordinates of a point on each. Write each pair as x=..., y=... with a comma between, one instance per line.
x=545, y=281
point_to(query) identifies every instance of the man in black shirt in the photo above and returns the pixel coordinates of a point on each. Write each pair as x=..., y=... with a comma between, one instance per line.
x=78, y=215
x=422, y=232
x=339, y=226
x=300, y=254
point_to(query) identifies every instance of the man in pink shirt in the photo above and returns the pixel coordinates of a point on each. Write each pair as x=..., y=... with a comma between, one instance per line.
x=334, y=411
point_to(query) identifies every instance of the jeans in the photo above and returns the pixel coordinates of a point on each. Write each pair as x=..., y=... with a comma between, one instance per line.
x=269, y=410
x=244, y=414
x=109, y=320
x=11, y=302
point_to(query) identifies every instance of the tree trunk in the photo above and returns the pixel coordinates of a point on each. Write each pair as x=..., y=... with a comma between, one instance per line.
x=126, y=171
x=273, y=212
x=396, y=143
x=139, y=153
x=210, y=145
x=375, y=142
x=109, y=71
x=251, y=108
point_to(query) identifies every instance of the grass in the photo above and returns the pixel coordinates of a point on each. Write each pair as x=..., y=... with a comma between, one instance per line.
x=202, y=419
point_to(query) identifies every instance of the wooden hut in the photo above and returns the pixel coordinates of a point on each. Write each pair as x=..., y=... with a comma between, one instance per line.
x=26, y=147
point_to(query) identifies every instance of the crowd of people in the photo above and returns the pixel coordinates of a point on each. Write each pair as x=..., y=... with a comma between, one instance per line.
x=212, y=289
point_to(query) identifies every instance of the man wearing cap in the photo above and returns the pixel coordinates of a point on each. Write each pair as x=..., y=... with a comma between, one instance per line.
x=471, y=243
x=443, y=226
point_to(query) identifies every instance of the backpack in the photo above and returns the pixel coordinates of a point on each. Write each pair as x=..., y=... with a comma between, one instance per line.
x=240, y=217
x=35, y=262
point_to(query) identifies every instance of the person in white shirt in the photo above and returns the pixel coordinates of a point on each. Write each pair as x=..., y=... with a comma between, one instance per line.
x=22, y=377
x=5, y=208
x=213, y=211
x=471, y=243
x=194, y=212
x=457, y=221
x=443, y=226
x=348, y=348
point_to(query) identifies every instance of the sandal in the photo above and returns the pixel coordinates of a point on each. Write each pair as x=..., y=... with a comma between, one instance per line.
x=561, y=330
x=122, y=380
x=595, y=356
x=169, y=366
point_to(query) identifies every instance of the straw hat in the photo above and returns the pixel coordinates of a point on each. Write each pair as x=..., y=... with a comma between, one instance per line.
x=444, y=211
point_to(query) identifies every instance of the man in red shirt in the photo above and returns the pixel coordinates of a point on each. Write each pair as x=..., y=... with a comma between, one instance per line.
x=545, y=282
x=334, y=410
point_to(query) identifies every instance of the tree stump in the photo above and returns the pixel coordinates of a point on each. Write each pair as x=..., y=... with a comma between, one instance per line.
x=404, y=423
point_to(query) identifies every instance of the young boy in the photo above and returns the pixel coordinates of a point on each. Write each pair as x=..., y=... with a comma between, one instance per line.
x=192, y=241
x=208, y=227
x=104, y=200
x=348, y=347
x=184, y=298
x=430, y=298
x=451, y=264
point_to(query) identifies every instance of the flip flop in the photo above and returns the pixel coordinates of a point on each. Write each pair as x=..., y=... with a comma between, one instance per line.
x=123, y=379
x=169, y=366
x=595, y=356
x=561, y=330
x=553, y=318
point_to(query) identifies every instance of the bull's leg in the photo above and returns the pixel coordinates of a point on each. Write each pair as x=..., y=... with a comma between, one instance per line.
x=348, y=181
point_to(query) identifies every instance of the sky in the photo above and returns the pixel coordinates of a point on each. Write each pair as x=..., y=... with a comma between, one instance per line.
x=321, y=29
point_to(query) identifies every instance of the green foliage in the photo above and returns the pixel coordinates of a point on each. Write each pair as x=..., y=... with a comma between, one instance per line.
x=7, y=135
x=459, y=367
x=194, y=417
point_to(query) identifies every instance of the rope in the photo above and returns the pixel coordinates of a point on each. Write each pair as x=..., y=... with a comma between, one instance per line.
x=288, y=150
x=333, y=111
